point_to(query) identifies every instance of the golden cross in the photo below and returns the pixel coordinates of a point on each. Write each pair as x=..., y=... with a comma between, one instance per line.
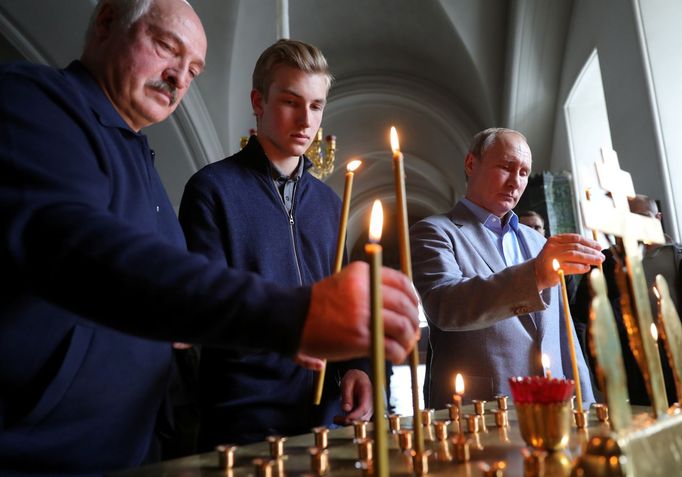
x=632, y=229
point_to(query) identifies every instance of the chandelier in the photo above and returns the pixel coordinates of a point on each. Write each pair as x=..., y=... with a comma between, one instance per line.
x=322, y=159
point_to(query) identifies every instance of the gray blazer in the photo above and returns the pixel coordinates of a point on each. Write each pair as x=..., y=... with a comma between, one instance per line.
x=486, y=320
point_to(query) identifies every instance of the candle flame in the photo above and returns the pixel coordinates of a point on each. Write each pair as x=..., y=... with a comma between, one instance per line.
x=545, y=361
x=395, y=144
x=588, y=193
x=459, y=384
x=654, y=331
x=658, y=295
x=555, y=265
x=376, y=222
x=353, y=165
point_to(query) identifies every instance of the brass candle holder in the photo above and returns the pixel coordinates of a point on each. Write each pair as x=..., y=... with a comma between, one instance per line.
x=405, y=439
x=226, y=456
x=364, y=449
x=461, y=446
x=360, y=429
x=502, y=402
x=441, y=429
x=321, y=436
x=276, y=444
x=602, y=411
x=394, y=423
x=319, y=460
x=543, y=407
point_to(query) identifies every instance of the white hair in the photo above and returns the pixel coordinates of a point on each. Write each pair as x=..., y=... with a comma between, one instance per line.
x=129, y=11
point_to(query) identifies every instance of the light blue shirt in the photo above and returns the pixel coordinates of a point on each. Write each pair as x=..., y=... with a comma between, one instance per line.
x=504, y=233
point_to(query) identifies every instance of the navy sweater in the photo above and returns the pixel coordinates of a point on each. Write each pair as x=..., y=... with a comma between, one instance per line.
x=90, y=254
x=232, y=212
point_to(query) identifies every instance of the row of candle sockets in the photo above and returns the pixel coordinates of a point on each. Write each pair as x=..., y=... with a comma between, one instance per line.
x=472, y=423
x=319, y=454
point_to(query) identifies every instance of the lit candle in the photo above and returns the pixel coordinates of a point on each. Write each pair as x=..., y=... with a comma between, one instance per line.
x=569, y=332
x=374, y=251
x=459, y=392
x=340, y=247
x=406, y=267
x=545, y=366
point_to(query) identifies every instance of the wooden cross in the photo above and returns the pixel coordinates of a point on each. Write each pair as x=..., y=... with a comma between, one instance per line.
x=631, y=228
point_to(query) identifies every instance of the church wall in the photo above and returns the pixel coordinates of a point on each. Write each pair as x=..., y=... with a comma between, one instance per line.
x=610, y=26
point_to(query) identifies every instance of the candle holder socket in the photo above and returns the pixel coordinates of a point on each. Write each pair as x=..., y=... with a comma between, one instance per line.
x=319, y=460
x=479, y=406
x=321, y=435
x=502, y=402
x=276, y=444
x=394, y=423
x=405, y=439
x=441, y=430
x=226, y=456
x=360, y=429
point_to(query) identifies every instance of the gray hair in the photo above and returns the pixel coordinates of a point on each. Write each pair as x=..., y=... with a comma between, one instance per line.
x=486, y=138
x=129, y=11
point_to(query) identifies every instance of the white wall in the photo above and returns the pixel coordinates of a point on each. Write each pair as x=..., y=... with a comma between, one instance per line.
x=612, y=27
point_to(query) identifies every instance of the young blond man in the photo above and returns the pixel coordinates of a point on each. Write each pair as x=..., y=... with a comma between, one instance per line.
x=261, y=211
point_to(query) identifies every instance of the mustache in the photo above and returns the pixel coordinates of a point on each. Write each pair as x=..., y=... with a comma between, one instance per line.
x=166, y=87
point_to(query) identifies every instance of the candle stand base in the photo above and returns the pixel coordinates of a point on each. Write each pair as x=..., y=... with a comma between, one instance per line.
x=649, y=447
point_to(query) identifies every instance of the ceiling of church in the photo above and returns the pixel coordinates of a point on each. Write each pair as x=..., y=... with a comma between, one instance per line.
x=439, y=70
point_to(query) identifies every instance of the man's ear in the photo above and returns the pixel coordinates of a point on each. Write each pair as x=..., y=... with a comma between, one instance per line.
x=257, y=102
x=104, y=23
x=469, y=164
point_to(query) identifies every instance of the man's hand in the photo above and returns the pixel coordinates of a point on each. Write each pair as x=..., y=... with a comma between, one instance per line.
x=309, y=362
x=356, y=397
x=337, y=325
x=575, y=254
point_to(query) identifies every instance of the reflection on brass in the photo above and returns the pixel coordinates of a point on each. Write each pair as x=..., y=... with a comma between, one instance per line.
x=602, y=412
x=319, y=460
x=501, y=418
x=394, y=422
x=460, y=444
x=405, y=439
x=602, y=457
x=427, y=417
x=226, y=456
x=420, y=462
x=443, y=452
x=471, y=422
x=479, y=407
x=533, y=462
x=364, y=448
x=367, y=468
x=558, y=464
x=279, y=467
x=502, y=401
x=580, y=419
x=453, y=411
x=263, y=467
x=360, y=429
x=495, y=470
x=428, y=435
x=441, y=429
x=321, y=437
x=504, y=434
x=635, y=306
x=605, y=346
x=670, y=332
x=545, y=426
x=276, y=446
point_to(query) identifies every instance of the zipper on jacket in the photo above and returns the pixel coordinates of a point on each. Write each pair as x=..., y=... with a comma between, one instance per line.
x=291, y=225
